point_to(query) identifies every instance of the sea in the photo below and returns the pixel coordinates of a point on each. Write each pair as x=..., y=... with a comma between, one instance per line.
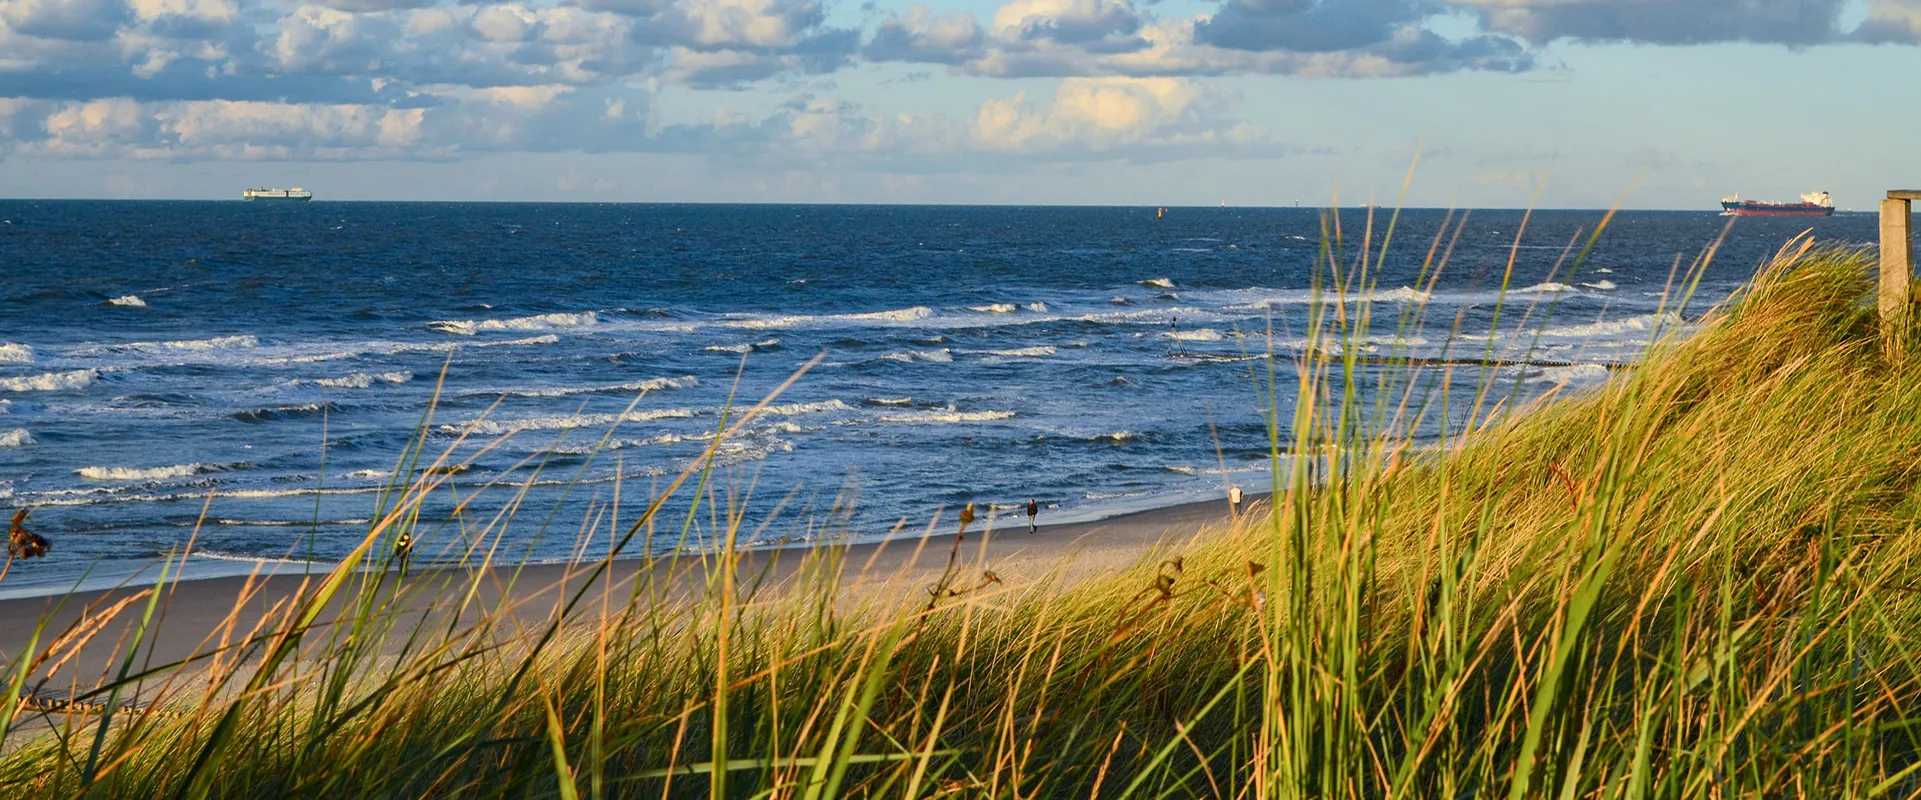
x=254, y=377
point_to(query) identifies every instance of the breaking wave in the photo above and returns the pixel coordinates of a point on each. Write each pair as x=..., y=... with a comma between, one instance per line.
x=1645, y=322
x=889, y=401
x=129, y=301
x=995, y=308
x=947, y=415
x=492, y=427
x=941, y=356
x=1544, y=288
x=790, y=321
x=1603, y=285
x=363, y=380
x=743, y=348
x=143, y=474
x=50, y=381
x=649, y=385
x=1202, y=335
x=791, y=409
x=1159, y=283
x=1576, y=372
x=18, y=437
x=538, y=322
x=1023, y=352
x=280, y=412
x=16, y=354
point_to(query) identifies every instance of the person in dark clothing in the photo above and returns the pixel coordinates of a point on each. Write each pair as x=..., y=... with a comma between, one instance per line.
x=1033, y=510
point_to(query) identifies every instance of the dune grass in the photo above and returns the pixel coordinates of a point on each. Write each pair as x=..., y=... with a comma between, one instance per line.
x=1695, y=582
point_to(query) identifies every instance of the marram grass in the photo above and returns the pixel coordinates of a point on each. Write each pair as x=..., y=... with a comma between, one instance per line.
x=1702, y=580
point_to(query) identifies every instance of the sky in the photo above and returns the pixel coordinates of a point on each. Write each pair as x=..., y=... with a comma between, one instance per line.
x=1646, y=103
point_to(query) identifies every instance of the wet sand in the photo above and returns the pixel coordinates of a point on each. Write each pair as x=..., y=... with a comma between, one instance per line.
x=194, y=616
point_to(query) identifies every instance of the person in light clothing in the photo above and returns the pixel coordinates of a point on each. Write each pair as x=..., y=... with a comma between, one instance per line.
x=1234, y=499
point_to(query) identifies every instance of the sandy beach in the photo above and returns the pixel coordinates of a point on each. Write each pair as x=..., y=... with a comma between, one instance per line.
x=195, y=615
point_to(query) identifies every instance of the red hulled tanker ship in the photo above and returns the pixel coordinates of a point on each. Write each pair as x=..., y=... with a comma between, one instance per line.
x=1813, y=204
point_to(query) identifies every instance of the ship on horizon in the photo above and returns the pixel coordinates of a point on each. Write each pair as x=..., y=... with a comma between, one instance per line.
x=1813, y=204
x=294, y=195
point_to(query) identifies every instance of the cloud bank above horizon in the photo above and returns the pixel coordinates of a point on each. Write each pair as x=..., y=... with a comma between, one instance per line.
x=1047, y=81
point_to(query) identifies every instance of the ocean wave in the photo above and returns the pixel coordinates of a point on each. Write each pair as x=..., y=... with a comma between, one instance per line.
x=242, y=342
x=1037, y=307
x=1023, y=352
x=897, y=315
x=370, y=474
x=1549, y=287
x=742, y=348
x=941, y=356
x=947, y=415
x=1576, y=372
x=1602, y=285
x=280, y=412
x=538, y=322
x=1640, y=324
x=1404, y=295
x=16, y=353
x=128, y=301
x=793, y=409
x=18, y=437
x=221, y=555
x=50, y=381
x=546, y=338
x=143, y=473
x=6, y=406
x=1159, y=283
x=363, y=380
x=649, y=385
x=1202, y=335
x=889, y=401
x=492, y=427
x=1118, y=437
x=995, y=308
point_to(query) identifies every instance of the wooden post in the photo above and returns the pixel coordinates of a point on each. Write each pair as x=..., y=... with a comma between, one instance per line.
x=1897, y=268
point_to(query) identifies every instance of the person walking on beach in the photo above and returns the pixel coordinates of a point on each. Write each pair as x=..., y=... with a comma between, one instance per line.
x=1234, y=499
x=1033, y=510
x=403, y=552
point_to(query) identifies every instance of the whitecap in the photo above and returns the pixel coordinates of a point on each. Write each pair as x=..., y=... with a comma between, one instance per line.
x=1037, y=307
x=6, y=406
x=1645, y=322
x=140, y=474
x=1023, y=352
x=1605, y=271
x=897, y=315
x=129, y=301
x=1575, y=373
x=16, y=353
x=995, y=308
x=1202, y=335
x=947, y=415
x=1159, y=283
x=50, y=381
x=369, y=474
x=737, y=349
x=791, y=409
x=18, y=437
x=494, y=427
x=1118, y=437
x=1544, y=288
x=889, y=401
x=648, y=385
x=941, y=356
x=363, y=380
x=1603, y=285
x=538, y=322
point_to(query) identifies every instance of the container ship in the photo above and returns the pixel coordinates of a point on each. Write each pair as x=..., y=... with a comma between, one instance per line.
x=294, y=195
x=1813, y=204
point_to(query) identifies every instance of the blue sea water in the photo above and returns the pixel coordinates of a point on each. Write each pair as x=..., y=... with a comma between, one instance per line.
x=270, y=363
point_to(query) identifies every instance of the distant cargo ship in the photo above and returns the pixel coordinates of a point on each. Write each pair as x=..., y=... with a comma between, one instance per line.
x=1813, y=204
x=294, y=195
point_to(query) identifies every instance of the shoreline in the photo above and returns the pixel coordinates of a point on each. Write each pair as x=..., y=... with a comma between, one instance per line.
x=193, y=612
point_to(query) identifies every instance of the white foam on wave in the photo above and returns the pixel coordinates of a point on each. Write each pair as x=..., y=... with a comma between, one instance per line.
x=18, y=437
x=1037, y=307
x=648, y=385
x=1159, y=283
x=242, y=342
x=16, y=353
x=50, y=381
x=1607, y=328
x=139, y=473
x=369, y=474
x=995, y=308
x=1404, y=294
x=1576, y=373
x=1023, y=352
x=793, y=409
x=890, y=401
x=1603, y=285
x=363, y=380
x=128, y=301
x=897, y=315
x=742, y=348
x=6, y=406
x=537, y=322
x=941, y=356
x=494, y=427
x=1202, y=335
x=219, y=555
x=946, y=416
x=547, y=338
x=1549, y=287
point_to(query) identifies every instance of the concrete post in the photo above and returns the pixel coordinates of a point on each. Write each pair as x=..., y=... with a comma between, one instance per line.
x=1897, y=269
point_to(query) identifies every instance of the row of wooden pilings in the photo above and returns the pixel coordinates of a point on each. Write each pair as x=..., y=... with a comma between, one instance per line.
x=1897, y=267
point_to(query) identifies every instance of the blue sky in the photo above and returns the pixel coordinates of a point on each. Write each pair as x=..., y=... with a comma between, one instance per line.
x=1176, y=102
